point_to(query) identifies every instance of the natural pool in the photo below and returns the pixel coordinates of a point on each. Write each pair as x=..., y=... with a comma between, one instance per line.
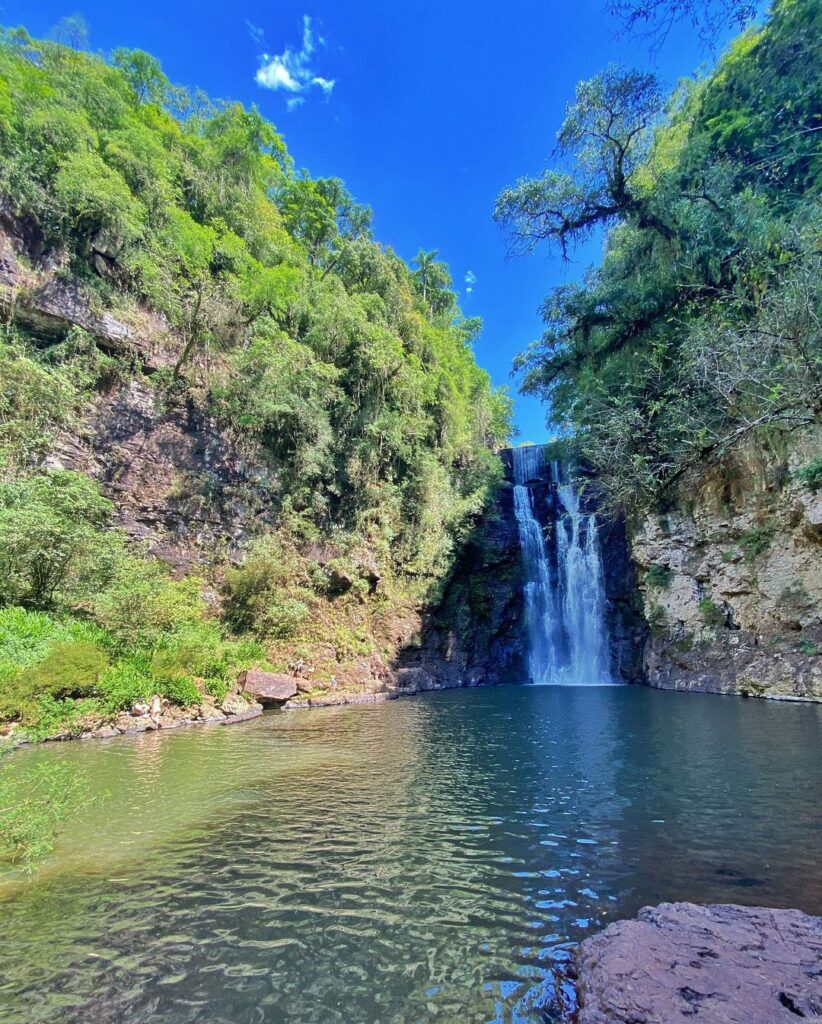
x=422, y=860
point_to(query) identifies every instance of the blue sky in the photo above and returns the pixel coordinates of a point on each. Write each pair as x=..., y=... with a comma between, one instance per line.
x=426, y=110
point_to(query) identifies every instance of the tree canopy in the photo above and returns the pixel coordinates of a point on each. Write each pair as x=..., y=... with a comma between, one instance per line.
x=701, y=324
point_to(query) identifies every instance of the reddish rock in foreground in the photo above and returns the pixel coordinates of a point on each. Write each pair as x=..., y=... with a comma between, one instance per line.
x=267, y=687
x=721, y=964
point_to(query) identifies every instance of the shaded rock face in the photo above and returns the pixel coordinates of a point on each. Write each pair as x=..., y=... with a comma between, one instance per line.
x=177, y=482
x=47, y=302
x=720, y=964
x=731, y=579
x=476, y=634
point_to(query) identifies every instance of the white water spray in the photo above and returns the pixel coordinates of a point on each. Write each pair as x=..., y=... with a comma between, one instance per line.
x=564, y=602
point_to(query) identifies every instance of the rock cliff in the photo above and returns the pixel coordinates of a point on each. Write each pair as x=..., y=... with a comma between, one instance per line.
x=731, y=578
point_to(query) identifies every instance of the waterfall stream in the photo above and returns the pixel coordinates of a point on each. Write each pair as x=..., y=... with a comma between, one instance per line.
x=564, y=584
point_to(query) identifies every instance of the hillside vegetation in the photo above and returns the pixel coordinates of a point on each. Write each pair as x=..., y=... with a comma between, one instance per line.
x=700, y=328
x=344, y=375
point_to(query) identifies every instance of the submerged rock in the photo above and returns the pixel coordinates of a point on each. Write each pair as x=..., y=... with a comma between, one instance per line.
x=721, y=964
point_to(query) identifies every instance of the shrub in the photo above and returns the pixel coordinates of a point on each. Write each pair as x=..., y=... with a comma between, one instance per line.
x=125, y=683
x=811, y=475
x=52, y=546
x=70, y=669
x=260, y=593
x=756, y=541
x=53, y=717
x=712, y=613
x=657, y=619
x=658, y=576
x=283, y=617
x=179, y=689
x=41, y=656
x=143, y=604
x=35, y=401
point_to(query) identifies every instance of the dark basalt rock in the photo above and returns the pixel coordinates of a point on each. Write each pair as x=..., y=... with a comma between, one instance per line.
x=720, y=964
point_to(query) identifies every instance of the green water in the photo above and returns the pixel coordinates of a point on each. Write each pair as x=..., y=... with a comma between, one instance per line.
x=423, y=860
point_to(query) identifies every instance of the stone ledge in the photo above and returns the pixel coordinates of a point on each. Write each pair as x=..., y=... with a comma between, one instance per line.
x=720, y=964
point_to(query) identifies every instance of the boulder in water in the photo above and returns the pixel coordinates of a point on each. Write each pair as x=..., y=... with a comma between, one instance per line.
x=719, y=964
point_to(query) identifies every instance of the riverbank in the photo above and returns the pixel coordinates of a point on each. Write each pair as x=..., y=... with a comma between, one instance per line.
x=237, y=708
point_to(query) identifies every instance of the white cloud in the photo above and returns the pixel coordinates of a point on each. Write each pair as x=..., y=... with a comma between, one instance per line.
x=291, y=70
x=470, y=280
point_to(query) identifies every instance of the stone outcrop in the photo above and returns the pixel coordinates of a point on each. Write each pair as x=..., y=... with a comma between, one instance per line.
x=732, y=579
x=721, y=964
x=475, y=635
x=41, y=296
x=178, y=483
x=267, y=687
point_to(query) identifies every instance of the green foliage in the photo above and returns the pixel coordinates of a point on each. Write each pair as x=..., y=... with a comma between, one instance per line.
x=125, y=683
x=343, y=376
x=36, y=400
x=142, y=605
x=712, y=613
x=658, y=576
x=263, y=594
x=51, y=543
x=70, y=667
x=657, y=620
x=33, y=806
x=811, y=475
x=345, y=372
x=701, y=325
x=756, y=541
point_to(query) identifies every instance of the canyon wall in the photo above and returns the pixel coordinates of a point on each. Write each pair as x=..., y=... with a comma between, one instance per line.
x=731, y=577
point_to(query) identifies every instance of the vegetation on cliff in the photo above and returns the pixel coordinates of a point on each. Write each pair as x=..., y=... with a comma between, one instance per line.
x=343, y=374
x=701, y=325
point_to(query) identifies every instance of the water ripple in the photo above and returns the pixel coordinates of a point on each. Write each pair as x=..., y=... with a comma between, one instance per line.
x=427, y=860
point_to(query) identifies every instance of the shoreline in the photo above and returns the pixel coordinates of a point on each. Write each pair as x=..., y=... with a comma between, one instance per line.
x=184, y=719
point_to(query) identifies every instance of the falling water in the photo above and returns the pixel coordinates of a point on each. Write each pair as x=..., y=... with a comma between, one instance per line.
x=564, y=597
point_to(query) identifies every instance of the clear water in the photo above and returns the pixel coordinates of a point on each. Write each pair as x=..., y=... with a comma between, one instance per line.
x=564, y=595
x=425, y=860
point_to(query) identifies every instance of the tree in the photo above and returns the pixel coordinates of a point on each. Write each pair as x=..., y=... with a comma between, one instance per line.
x=433, y=282
x=50, y=538
x=656, y=18
x=144, y=74
x=34, y=806
x=606, y=135
x=71, y=31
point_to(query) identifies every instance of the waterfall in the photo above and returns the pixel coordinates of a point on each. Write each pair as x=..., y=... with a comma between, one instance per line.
x=564, y=584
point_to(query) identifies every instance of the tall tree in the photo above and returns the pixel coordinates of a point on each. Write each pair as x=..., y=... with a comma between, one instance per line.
x=605, y=136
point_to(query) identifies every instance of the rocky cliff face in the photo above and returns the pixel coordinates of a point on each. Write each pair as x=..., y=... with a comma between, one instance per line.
x=475, y=636
x=178, y=482
x=731, y=579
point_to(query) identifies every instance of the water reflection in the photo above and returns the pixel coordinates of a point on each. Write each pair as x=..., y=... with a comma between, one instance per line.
x=425, y=860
